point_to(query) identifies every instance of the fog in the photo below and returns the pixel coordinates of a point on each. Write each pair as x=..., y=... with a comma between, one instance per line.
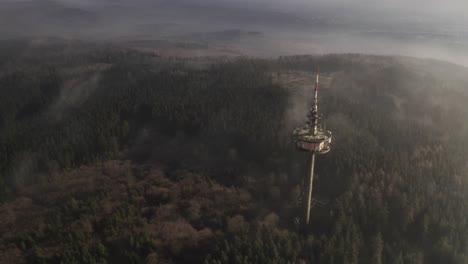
x=428, y=29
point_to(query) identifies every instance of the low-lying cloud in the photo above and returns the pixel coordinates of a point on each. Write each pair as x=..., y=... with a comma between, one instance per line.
x=431, y=29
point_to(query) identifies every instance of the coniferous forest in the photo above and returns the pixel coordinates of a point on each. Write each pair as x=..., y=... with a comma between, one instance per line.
x=111, y=155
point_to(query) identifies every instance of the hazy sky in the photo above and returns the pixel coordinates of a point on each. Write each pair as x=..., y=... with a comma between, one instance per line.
x=432, y=6
x=422, y=28
x=448, y=9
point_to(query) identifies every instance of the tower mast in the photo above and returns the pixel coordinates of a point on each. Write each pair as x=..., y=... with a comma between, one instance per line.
x=314, y=113
x=311, y=163
x=313, y=140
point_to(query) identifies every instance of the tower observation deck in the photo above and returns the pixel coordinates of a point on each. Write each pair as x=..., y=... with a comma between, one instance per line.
x=313, y=139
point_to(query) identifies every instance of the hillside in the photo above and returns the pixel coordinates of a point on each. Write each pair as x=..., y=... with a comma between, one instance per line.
x=110, y=155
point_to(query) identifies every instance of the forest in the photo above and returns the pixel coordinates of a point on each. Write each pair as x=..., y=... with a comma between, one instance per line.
x=112, y=155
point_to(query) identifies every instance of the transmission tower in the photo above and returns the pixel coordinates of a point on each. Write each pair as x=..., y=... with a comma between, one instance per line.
x=312, y=139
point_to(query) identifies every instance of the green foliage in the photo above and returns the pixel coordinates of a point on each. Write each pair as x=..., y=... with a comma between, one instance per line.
x=80, y=249
x=257, y=245
x=396, y=178
x=95, y=114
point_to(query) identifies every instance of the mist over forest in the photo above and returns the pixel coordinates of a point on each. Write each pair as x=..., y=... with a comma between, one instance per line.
x=161, y=131
x=261, y=28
